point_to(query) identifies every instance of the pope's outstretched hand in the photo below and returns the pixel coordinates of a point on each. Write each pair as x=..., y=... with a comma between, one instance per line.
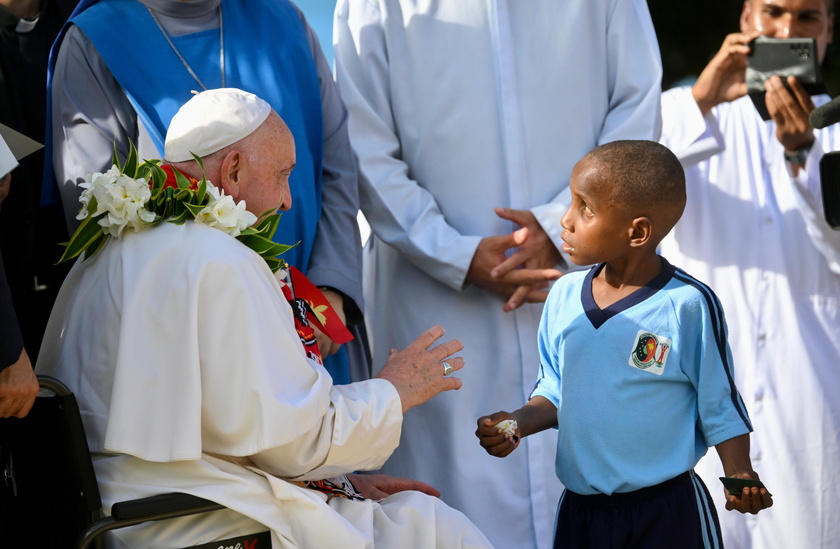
x=417, y=371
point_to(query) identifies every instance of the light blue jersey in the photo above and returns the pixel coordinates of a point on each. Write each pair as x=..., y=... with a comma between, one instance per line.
x=643, y=388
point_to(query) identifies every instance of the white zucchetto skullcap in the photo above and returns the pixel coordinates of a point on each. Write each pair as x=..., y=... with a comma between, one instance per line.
x=211, y=121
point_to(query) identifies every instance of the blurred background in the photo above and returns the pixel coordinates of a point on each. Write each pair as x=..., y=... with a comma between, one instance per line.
x=690, y=32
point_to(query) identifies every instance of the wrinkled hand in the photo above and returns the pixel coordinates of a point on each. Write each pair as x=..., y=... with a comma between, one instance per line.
x=495, y=442
x=326, y=345
x=752, y=499
x=5, y=185
x=723, y=78
x=416, y=371
x=522, y=277
x=18, y=388
x=789, y=109
x=381, y=486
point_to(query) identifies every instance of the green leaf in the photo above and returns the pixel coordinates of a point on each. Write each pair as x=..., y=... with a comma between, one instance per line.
x=201, y=196
x=181, y=180
x=268, y=225
x=194, y=209
x=95, y=245
x=130, y=166
x=156, y=174
x=115, y=158
x=274, y=264
x=88, y=231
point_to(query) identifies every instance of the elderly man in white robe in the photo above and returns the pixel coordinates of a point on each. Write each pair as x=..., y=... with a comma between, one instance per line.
x=191, y=377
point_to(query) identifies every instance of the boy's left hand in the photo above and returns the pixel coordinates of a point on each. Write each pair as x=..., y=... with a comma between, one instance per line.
x=752, y=500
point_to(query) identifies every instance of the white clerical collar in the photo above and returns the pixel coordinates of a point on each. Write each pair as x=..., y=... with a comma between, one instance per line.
x=26, y=25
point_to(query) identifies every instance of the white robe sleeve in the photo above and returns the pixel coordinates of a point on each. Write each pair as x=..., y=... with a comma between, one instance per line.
x=691, y=136
x=263, y=399
x=403, y=213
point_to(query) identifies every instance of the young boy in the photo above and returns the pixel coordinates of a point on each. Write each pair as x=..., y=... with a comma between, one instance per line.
x=635, y=369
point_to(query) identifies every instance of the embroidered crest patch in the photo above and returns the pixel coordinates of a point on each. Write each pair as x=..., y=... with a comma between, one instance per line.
x=650, y=352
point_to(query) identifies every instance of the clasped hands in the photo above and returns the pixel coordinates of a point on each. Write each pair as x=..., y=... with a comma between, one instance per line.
x=525, y=275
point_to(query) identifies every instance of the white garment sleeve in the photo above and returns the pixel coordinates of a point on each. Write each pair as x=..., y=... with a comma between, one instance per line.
x=691, y=136
x=402, y=213
x=262, y=398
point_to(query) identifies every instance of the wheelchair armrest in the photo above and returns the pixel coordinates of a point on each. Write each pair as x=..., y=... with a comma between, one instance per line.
x=174, y=504
x=137, y=511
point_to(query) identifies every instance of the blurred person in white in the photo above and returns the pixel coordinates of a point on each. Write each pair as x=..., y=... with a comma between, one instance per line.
x=754, y=231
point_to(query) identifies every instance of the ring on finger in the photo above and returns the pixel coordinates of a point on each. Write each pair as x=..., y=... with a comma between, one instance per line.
x=447, y=368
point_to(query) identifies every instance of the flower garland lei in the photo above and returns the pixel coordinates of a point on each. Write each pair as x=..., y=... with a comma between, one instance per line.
x=135, y=196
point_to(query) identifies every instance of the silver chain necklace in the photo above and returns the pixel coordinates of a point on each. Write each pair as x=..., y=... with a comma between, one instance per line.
x=181, y=57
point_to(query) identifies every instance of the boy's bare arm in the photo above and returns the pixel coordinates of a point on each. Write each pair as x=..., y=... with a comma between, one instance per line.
x=735, y=457
x=537, y=415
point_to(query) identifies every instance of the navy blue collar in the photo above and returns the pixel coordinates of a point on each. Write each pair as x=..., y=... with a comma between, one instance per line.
x=598, y=316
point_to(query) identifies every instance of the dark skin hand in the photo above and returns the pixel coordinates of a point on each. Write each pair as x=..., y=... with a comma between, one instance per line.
x=537, y=415
x=524, y=276
x=789, y=109
x=723, y=78
x=734, y=456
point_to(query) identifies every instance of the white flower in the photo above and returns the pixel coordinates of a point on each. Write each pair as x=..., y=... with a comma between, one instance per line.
x=123, y=199
x=222, y=213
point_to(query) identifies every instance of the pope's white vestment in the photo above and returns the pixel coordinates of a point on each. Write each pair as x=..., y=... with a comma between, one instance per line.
x=758, y=237
x=458, y=107
x=190, y=377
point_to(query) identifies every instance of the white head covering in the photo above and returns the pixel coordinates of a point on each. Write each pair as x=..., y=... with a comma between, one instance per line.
x=211, y=121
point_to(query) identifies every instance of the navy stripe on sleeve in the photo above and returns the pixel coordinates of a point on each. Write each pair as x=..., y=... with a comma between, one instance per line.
x=718, y=326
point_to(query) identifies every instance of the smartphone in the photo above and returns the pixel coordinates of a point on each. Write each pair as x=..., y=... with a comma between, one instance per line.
x=736, y=485
x=784, y=57
x=830, y=184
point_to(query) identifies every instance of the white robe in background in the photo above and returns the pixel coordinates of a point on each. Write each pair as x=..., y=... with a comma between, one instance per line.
x=458, y=107
x=190, y=377
x=757, y=236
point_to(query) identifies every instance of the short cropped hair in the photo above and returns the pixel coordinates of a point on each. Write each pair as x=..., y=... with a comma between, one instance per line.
x=643, y=177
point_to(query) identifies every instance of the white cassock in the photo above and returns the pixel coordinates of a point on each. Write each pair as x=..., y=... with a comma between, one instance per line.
x=190, y=377
x=757, y=236
x=458, y=107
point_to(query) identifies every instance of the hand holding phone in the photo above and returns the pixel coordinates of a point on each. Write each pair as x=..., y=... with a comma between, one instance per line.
x=735, y=486
x=783, y=57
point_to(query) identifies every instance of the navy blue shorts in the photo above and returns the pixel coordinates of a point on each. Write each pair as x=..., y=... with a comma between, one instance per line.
x=677, y=513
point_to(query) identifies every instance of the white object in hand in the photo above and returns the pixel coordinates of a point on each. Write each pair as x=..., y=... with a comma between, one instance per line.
x=508, y=426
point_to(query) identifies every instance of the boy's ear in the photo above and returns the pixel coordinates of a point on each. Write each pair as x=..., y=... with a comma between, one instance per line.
x=640, y=231
x=231, y=173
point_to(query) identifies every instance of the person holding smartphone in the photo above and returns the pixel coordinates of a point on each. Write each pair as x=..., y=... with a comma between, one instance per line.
x=754, y=230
